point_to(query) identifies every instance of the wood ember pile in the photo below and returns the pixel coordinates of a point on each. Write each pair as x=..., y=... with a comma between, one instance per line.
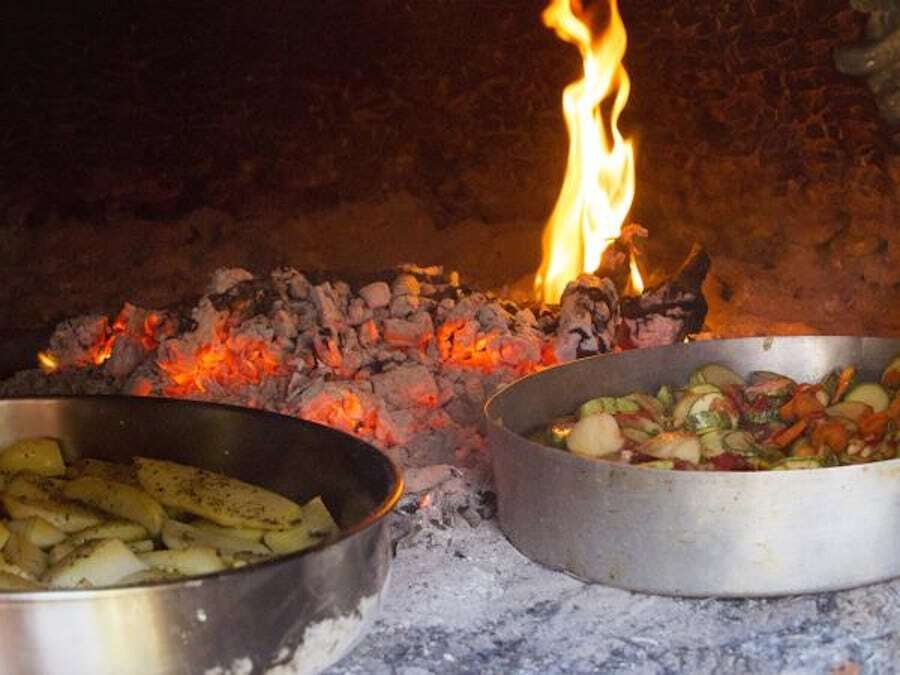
x=406, y=363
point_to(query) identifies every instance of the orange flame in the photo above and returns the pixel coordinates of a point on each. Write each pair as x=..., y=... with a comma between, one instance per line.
x=598, y=188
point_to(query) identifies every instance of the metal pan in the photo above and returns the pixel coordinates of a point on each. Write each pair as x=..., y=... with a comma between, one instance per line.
x=693, y=533
x=306, y=610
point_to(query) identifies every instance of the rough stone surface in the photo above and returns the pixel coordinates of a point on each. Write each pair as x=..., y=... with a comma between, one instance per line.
x=519, y=617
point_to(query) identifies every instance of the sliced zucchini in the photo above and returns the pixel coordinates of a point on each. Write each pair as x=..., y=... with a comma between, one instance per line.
x=649, y=404
x=682, y=408
x=772, y=385
x=707, y=420
x=638, y=422
x=871, y=394
x=701, y=389
x=635, y=435
x=717, y=375
x=658, y=464
x=608, y=404
x=41, y=456
x=559, y=430
x=673, y=445
x=664, y=396
x=851, y=410
x=793, y=463
x=595, y=436
x=711, y=411
x=712, y=443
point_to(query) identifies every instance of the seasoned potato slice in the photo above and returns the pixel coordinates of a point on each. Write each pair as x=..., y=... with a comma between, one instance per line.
x=248, y=533
x=178, y=536
x=315, y=526
x=125, y=530
x=25, y=555
x=141, y=546
x=120, y=473
x=223, y=500
x=125, y=501
x=4, y=535
x=37, y=455
x=187, y=561
x=101, y=562
x=35, y=487
x=38, y=531
x=63, y=515
x=13, y=582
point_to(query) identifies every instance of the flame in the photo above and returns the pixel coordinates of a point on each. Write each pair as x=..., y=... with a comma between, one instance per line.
x=635, y=281
x=598, y=188
x=47, y=362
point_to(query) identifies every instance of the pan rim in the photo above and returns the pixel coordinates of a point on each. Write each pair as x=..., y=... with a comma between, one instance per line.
x=599, y=463
x=372, y=519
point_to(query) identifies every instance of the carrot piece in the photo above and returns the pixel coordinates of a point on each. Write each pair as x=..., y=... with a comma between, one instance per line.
x=804, y=449
x=787, y=436
x=831, y=434
x=872, y=426
x=846, y=377
x=803, y=404
x=893, y=410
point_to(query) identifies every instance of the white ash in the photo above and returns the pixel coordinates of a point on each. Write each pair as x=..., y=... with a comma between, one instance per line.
x=406, y=362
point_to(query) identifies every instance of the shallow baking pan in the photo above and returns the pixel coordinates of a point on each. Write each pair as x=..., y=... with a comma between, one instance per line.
x=303, y=611
x=693, y=533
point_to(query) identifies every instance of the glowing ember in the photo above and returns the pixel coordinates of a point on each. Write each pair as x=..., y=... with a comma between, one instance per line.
x=598, y=188
x=227, y=362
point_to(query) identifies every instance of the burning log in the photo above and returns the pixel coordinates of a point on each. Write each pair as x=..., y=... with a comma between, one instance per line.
x=670, y=311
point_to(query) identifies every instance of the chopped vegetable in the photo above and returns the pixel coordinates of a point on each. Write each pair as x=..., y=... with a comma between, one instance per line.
x=720, y=422
x=40, y=456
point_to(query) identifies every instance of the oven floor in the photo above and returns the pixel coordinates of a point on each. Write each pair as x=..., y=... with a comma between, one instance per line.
x=465, y=601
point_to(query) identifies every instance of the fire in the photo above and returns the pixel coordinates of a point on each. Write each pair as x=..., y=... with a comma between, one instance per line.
x=228, y=362
x=598, y=188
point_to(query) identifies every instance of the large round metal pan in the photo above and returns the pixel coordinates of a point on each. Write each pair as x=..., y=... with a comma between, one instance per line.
x=305, y=610
x=693, y=533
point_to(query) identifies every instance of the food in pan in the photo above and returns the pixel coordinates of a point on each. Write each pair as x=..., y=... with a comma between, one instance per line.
x=93, y=523
x=719, y=421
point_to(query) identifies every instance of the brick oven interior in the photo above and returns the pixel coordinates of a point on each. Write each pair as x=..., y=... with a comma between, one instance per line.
x=145, y=149
x=151, y=150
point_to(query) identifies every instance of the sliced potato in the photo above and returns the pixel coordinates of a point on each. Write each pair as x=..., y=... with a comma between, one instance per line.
x=120, y=473
x=14, y=582
x=22, y=553
x=61, y=550
x=63, y=515
x=223, y=500
x=4, y=534
x=673, y=445
x=38, y=531
x=125, y=530
x=149, y=576
x=125, y=501
x=141, y=546
x=35, y=487
x=41, y=456
x=595, y=436
x=178, y=536
x=248, y=533
x=316, y=526
x=101, y=562
x=10, y=568
x=187, y=561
